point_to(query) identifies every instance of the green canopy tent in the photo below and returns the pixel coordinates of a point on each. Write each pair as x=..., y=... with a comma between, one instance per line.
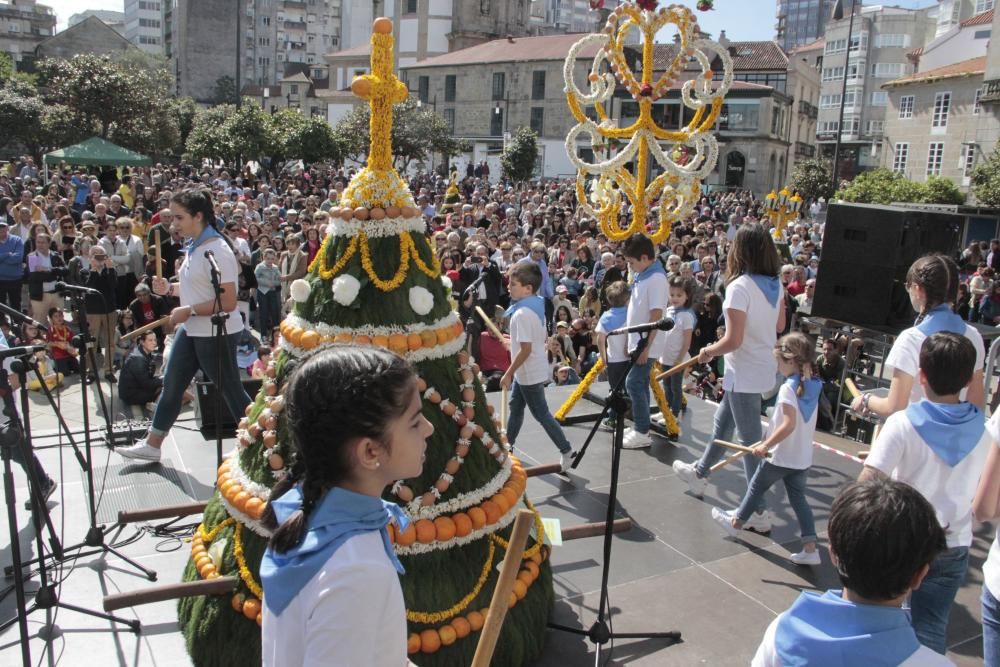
x=96, y=151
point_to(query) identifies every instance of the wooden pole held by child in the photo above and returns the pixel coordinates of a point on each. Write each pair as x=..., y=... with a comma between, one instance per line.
x=504, y=589
x=679, y=368
x=734, y=446
x=158, y=253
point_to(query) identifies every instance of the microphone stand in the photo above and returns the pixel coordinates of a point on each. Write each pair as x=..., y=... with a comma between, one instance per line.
x=600, y=633
x=472, y=322
x=219, y=318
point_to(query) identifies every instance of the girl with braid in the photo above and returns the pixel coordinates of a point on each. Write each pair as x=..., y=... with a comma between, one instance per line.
x=932, y=284
x=354, y=414
x=788, y=443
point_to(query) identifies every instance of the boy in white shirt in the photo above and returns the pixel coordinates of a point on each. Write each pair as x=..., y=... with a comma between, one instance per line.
x=646, y=304
x=883, y=535
x=938, y=446
x=613, y=349
x=529, y=368
x=677, y=341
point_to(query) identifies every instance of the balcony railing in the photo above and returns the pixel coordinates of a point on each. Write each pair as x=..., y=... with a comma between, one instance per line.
x=295, y=25
x=807, y=109
x=991, y=92
x=803, y=149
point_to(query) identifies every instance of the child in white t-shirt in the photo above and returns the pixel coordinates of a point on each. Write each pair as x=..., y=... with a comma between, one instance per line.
x=938, y=446
x=986, y=507
x=677, y=341
x=790, y=436
x=613, y=349
x=529, y=369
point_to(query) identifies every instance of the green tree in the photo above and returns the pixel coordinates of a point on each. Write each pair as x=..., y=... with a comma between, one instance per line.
x=9, y=73
x=519, y=156
x=184, y=110
x=250, y=131
x=208, y=138
x=882, y=186
x=942, y=190
x=20, y=116
x=813, y=178
x=986, y=181
x=313, y=140
x=225, y=91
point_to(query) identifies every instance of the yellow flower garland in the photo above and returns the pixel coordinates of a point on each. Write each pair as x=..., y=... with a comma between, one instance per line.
x=245, y=573
x=407, y=249
x=539, y=532
x=327, y=273
x=434, y=270
x=404, y=263
x=460, y=606
x=670, y=423
x=211, y=535
x=580, y=390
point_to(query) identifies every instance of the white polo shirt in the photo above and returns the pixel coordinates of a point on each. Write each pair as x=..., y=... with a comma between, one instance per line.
x=196, y=285
x=647, y=295
x=905, y=356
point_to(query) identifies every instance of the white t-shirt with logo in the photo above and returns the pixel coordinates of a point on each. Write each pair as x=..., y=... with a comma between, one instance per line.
x=795, y=451
x=902, y=454
x=527, y=327
x=751, y=368
x=647, y=295
x=673, y=340
x=905, y=356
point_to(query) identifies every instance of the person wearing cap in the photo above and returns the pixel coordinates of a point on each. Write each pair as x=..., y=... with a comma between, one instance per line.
x=102, y=318
x=11, y=267
x=292, y=220
x=147, y=308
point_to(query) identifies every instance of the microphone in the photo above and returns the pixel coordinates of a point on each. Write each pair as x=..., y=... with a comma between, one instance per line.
x=666, y=324
x=210, y=256
x=62, y=288
x=21, y=351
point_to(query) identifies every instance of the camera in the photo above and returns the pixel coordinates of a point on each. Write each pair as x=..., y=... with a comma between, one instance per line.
x=60, y=272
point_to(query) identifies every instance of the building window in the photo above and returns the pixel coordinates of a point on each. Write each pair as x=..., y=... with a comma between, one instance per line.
x=537, y=119
x=888, y=70
x=880, y=99
x=968, y=159
x=498, y=85
x=892, y=40
x=833, y=73
x=827, y=127
x=935, y=155
x=983, y=5
x=449, y=119
x=942, y=104
x=859, y=42
x=423, y=88
x=899, y=155
x=496, y=122
x=738, y=117
x=829, y=101
x=411, y=6
x=976, y=106
x=906, y=106
x=835, y=46
x=876, y=127
x=982, y=34
x=449, y=87
x=538, y=85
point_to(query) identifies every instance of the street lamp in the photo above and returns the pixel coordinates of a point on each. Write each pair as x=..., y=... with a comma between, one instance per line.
x=782, y=207
x=433, y=103
x=843, y=89
x=267, y=94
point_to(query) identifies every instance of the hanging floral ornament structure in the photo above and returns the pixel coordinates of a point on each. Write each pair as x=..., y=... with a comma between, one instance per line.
x=625, y=158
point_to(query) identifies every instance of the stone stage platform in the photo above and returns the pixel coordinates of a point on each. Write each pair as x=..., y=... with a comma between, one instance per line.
x=672, y=571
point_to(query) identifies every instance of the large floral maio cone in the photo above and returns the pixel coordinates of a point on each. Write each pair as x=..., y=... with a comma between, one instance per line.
x=376, y=281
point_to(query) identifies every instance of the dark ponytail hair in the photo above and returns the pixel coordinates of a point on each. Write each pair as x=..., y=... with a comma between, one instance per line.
x=335, y=396
x=196, y=200
x=938, y=276
x=752, y=251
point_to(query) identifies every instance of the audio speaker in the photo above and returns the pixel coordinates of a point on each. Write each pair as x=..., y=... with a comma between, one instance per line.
x=867, y=251
x=205, y=415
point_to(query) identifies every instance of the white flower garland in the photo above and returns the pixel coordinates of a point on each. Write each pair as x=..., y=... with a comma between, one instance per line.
x=418, y=548
x=463, y=501
x=236, y=473
x=421, y=300
x=371, y=331
x=374, y=229
x=448, y=349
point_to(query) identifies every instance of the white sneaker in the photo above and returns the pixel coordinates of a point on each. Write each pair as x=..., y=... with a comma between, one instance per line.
x=635, y=440
x=805, y=558
x=659, y=418
x=686, y=472
x=140, y=451
x=758, y=523
x=565, y=461
x=725, y=521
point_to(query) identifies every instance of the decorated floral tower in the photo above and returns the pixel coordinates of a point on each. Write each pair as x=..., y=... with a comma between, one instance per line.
x=452, y=197
x=376, y=281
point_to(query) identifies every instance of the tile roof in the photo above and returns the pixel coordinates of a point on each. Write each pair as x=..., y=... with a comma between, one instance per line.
x=970, y=67
x=811, y=46
x=299, y=77
x=986, y=18
x=548, y=47
x=747, y=56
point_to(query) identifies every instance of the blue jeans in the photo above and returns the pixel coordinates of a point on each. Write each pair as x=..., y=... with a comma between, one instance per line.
x=931, y=603
x=991, y=629
x=795, y=484
x=533, y=395
x=188, y=354
x=738, y=412
x=616, y=374
x=673, y=387
x=268, y=311
x=637, y=386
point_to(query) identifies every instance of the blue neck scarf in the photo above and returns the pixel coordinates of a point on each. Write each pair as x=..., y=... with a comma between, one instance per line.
x=770, y=286
x=952, y=430
x=810, y=395
x=941, y=318
x=829, y=630
x=654, y=268
x=534, y=303
x=339, y=516
x=614, y=318
x=208, y=233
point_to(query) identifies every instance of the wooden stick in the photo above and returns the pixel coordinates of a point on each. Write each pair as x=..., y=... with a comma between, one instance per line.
x=852, y=388
x=544, y=469
x=726, y=461
x=504, y=589
x=146, y=327
x=167, y=512
x=489, y=323
x=739, y=448
x=171, y=591
x=594, y=529
x=678, y=368
x=504, y=395
x=158, y=253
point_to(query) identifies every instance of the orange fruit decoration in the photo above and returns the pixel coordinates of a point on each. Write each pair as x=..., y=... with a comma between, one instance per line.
x=240, y=501
x=397, y=343
x=407, y=537
x=382, y=25
x=520, y=589
x=445, y=528
x=343, y=338
x=430, y=641
x=427, y=338
x=251, y=607
x=477, y=516
x=380, y=341
x=237, y=603
x=501, y=502
x=414, y=341
x=447, y=635
x=309, y=339
x=493, y=511
x=476, y=620
x=413, y=643
x=426, y=531
x=463, y=524
x=254, y=507
x=443, y=335
x=462, y=627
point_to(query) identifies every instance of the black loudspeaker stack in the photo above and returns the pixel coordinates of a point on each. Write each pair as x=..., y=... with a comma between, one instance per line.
x=205, y=415
x=867, y=251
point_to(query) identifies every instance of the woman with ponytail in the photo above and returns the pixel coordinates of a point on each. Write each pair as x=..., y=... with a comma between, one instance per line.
x=932, y=284
x=331, y=590
x=786, y=451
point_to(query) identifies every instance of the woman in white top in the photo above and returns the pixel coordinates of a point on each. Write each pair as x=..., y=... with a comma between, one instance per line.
x=194, y=343
x=331, y=592
x=932, y=283
x=755, y=311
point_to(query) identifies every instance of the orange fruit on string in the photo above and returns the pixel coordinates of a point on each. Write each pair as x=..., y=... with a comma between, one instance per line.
x=382, y=25
x=501, y=502
x=512, y=600
x=240, y=501
x=443, y=335
x=237, y=603
x=343, y=338
x=445, y=528
x=520, y=589
x=462, y=627
x=510, y=495
x=532, y=568
x=476, y=620
x=463, y=524
x=430, y=641
x=380, y=341
x=413, y=643
x=478, y=517
x=407, y=537
x=426, y=531
x=251, y=607
x=254, y=507
x=493, y=512
x=525, y=576
x=295, y=335
x=414, y=341
x=397, y=343
x=309, y=339
x=428, y=338
x=447, y=635
x=364, y=340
